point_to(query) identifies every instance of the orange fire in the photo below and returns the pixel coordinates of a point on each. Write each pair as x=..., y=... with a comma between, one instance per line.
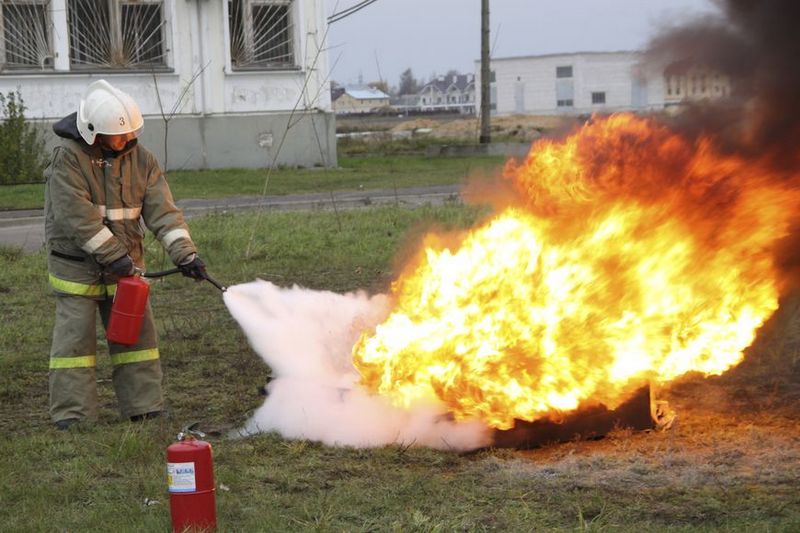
x=631, y=255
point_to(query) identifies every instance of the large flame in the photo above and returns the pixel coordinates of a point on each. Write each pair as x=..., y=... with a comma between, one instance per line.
x=632, y=254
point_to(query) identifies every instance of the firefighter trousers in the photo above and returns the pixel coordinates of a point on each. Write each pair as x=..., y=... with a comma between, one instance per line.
x=137, y=369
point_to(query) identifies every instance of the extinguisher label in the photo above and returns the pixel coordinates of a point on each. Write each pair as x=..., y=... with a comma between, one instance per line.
x=181, y=477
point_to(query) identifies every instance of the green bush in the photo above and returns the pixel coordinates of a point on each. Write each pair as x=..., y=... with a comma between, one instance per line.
x=22, y=153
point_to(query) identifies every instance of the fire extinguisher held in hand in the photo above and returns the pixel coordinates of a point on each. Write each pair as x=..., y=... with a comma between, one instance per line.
x=130, y=301
x=190, y=472
x=127, y=311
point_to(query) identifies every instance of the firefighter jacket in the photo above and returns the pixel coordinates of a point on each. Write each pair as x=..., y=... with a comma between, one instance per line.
x=97, y=204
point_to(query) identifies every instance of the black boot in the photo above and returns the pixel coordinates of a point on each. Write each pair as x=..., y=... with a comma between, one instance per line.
x=66, y=423
x=147, y=416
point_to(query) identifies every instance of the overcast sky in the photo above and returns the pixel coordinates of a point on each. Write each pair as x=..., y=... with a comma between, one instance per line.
x=434, y=36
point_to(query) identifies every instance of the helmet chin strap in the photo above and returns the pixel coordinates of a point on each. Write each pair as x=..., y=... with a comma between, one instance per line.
x=102, y=143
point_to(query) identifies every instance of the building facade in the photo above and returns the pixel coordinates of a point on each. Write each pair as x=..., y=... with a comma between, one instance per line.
x=455, y=93
x=359, y=100
x=236, y=83
x=577, y=83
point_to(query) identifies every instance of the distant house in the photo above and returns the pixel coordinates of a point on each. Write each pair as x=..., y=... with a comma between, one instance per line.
x=355, y=100
x=449, y=93
x=686, y=82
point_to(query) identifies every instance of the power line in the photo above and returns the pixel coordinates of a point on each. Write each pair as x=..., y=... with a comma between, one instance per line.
x=336, y=17
x=349, y=11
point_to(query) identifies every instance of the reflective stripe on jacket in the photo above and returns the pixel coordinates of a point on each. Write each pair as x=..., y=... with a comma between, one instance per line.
x=96, y=208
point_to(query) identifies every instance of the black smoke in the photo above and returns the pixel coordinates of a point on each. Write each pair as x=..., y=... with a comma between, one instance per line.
x=756, y=43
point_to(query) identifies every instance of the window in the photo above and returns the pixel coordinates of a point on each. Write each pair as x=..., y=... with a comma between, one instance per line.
x=114, y=34
x=261, y=33
x=25, y=30
x=564, y=72
x=599, y=98
x=564, y=103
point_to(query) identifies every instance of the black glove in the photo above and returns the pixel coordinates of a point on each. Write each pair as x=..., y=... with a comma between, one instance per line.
x=121, y=267
x=193, y=268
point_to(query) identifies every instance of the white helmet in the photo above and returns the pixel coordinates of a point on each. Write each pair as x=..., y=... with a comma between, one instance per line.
x=107, y=110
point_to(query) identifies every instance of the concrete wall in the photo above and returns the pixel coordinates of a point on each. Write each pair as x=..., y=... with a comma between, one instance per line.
x=529, y=84
x=234, y=106
x=239, y=141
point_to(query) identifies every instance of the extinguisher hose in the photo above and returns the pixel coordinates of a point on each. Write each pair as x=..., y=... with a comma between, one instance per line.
x=160, y=274
x=163, y=273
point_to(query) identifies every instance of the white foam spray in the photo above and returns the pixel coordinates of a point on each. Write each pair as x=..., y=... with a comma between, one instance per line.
x=306, y=337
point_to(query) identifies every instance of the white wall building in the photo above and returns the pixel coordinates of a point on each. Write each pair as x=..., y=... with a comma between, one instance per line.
x=238, y=75
x=576, y=83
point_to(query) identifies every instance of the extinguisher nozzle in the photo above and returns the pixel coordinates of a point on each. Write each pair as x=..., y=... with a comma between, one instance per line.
x=215, y=283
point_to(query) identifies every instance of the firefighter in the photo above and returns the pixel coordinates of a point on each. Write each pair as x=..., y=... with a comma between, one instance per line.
x=102, y=189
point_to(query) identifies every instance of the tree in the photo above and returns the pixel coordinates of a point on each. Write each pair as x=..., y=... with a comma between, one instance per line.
x=408, y=84
x=22, y=144
x=380, y=85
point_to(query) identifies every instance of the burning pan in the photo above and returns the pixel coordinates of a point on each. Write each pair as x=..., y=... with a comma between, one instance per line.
x=590, y=423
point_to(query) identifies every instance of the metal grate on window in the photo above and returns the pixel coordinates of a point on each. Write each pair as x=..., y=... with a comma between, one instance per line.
x=116, y=34
x=564, y=72
x=25, y=30
x=598, y=97
x=261, y=34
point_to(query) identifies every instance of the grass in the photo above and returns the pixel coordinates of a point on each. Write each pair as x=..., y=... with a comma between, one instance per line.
x=26, y=196
x=731, y=463
x=354, y=173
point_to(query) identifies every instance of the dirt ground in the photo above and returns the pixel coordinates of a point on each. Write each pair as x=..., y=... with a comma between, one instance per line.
x=510, y=127
x=522, y=127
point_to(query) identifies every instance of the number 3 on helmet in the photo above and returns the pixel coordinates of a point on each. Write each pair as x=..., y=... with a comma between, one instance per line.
x=106, y=110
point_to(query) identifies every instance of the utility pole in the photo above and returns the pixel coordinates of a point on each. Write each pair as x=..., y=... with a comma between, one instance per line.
x=486, y=97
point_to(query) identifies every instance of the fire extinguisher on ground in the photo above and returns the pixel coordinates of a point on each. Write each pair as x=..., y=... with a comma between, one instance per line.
x=190, y=474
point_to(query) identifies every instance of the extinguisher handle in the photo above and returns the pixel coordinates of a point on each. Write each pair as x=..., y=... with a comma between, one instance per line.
x=190, y=434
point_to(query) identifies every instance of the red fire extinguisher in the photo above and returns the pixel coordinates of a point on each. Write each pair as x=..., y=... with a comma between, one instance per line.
x=127, y=311
x=190, y=472
x=130, y=301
